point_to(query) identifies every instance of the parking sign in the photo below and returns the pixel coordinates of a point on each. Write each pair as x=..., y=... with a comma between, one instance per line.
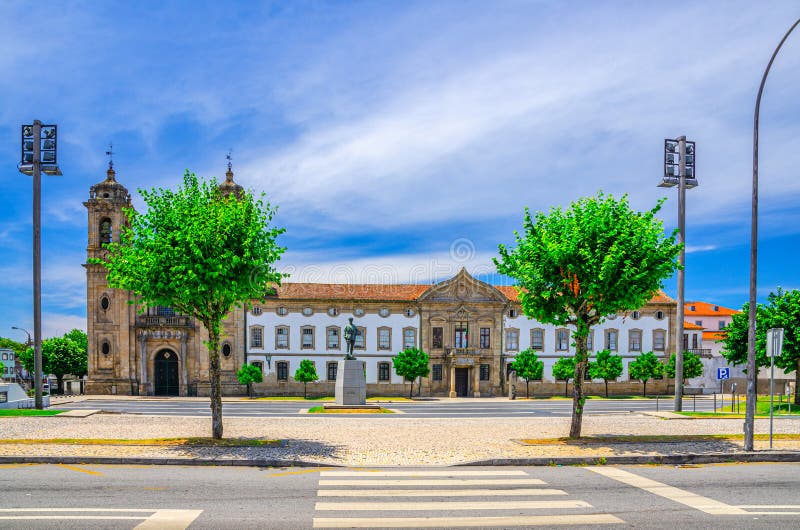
x=723, y=373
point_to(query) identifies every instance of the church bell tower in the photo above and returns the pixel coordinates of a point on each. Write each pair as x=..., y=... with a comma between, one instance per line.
x=109, y=316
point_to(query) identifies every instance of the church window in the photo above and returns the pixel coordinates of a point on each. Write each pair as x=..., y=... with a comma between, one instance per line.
x=104, y=303
x=437, y=338
x=461, y=339
x=437, y=372
x=226, y=350
x=105, y=348
x=105, y=230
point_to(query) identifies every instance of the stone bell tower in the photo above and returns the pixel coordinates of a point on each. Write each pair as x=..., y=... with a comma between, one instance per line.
x=109, y=316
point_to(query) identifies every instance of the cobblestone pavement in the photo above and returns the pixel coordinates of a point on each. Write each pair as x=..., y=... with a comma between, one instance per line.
x=375, y=441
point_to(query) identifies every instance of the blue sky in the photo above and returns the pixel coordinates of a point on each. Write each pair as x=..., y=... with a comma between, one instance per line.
x=402, y=140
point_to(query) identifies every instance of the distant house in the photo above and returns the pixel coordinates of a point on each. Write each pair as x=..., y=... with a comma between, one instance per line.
x=713, y=319
x=8, y=363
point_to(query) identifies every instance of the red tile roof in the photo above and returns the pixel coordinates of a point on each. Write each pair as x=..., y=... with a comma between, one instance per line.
x=714, y=335
x=690, y=325
x=381, y=292
x=704, y=309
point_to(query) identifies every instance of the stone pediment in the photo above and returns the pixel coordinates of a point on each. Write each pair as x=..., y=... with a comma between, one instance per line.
x=462, y=288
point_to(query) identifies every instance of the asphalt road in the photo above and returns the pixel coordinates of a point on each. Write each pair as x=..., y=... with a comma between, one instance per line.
x=424, y=409
x=142, y=497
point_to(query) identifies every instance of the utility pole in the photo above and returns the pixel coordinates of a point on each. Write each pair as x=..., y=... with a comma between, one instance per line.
x=38, y=154
x=686, y=178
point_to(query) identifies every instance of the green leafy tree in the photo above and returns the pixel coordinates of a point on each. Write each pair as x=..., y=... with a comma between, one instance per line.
x=10, y=344
x=607, y=366
x=645, y=367
x=200, y=251
x=692, y=366
x=249, y=374
x=78, y=337
x=782, y=310
x=564, y=368
x=575, y=266
x=410, y=364
x=528, y=367
x=306, y=373
x=60, y=356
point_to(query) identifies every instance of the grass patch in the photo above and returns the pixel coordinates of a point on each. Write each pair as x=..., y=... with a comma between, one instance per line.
x=661, y=438
x=29, y=412
x=588, y=397
x=185, y=442
x=322, y=410
x=762, y=410
x=293, y=398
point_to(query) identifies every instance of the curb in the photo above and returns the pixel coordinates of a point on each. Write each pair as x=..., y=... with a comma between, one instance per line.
x=110, y=460
x=688, y=458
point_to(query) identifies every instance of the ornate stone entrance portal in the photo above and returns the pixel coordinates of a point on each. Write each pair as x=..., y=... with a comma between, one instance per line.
x=166, y=374
x=462, y=382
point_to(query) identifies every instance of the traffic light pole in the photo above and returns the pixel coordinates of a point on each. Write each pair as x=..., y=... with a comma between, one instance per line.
x=682, y=261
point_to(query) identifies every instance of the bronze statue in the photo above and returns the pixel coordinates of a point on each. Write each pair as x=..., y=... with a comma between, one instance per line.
x=350, y=334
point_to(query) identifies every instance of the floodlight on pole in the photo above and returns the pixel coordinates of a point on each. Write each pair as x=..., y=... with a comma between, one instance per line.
x=679, y=169
x=39, y=154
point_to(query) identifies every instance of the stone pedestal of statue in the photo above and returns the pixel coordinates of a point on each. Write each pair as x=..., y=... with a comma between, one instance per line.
x=351, y=385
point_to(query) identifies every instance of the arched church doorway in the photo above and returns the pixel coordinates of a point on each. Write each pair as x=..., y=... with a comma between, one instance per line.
x=166, y=373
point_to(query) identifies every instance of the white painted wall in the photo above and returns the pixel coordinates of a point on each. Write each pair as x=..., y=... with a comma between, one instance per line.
x=320, y=355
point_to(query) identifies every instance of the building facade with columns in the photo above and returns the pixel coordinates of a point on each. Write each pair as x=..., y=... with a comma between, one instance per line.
x=145, y=351
x=471, y=330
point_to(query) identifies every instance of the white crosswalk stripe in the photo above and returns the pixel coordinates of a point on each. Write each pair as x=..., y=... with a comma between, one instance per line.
x=385, y=493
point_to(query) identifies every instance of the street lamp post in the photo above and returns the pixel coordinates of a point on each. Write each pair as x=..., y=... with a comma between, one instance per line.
x=28, y=343
x=750, y=404
x=39, y=154
x=686, y=178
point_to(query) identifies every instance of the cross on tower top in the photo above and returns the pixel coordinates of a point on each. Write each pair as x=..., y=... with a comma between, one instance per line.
x=110, y=155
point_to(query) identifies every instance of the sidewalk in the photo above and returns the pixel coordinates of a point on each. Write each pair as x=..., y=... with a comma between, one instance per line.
x=384, y=442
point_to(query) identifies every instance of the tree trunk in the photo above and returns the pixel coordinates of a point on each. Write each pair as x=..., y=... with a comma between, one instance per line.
x=606, y=381
x=59, y=384
x=797, y=383
x=411, y=392
x=644, y=388
x=578, y=399
x=305, y=393
x=527, y=394
x=250, y=390
x=566, y=387
x=213, y=375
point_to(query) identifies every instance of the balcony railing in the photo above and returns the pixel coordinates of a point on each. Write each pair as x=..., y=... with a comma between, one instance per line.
x=175, y=321
x=702, y=352
x=462, y=351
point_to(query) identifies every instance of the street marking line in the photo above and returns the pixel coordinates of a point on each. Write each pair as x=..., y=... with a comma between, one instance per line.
x=80, y=470
x=303, y=472
x=71, y=517
x=687, y=498
x=422, y=473
x=169, y=520
x=14, y=466
x=130, y=510
x=773, y=513
x=436, y=482
x=461, y=522
x=439, y=493
x=772, y=506
x=445, y=505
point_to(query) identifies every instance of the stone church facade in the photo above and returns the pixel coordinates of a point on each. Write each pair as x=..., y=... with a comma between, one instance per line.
x=471, y=330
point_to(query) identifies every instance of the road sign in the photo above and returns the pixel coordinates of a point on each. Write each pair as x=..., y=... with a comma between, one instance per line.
x=723, y=373
x=774, y=342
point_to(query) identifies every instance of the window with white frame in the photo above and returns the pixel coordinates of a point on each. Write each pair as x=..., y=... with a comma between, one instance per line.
x=562, y=339
x=537, y=339
x=384, y=338
x=611, y=339
x=636, y=315
x=590, y=341
x=307, y=338
x=409, y=338
x=282, y=338
x=635, y=340
x=512, y=339
x=332, y=334
x=659, y=339
x=256, y=337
